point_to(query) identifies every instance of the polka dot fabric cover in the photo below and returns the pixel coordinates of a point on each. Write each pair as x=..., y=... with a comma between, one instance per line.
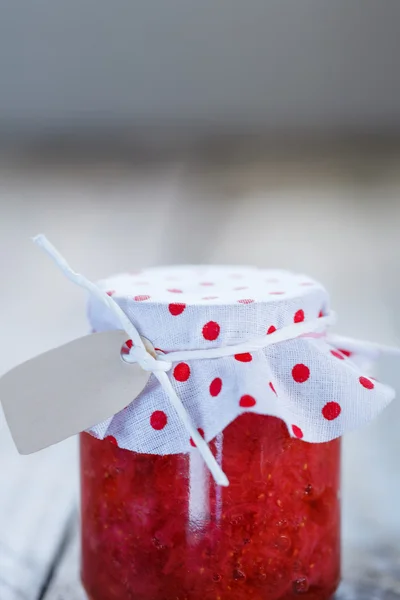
x=317, y=389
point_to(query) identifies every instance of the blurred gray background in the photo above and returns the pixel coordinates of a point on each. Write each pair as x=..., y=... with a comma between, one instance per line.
x=138, y=133
x=281, y=65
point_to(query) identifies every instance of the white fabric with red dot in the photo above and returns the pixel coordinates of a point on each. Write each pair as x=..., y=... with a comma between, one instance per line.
x=313, y=381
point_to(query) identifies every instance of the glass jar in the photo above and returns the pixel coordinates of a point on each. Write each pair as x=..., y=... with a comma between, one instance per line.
x=159, y=528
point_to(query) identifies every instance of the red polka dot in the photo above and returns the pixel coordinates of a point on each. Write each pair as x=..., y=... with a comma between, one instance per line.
x=367, y=383
x=211, y=331
x=176, y=309
x=297, y=431
x=126, y=347
x=182, y=372
x=276, y=293
x=247, y=401
x=110, y=293
x=174, y=291
x=246, y=301
x=141, y=298
x=338, y=354
x=201, y=432
x=300, y=373
x=299, y=316
x=320, y=314
x=111, y=439
x=271, y=385
x=271, y=329
x=331, y=411
x=241, y=287
x=345, y=352
x=158, y=420
x=245, y=357
x=215, y=386
x=209, y=297
x=206, y=283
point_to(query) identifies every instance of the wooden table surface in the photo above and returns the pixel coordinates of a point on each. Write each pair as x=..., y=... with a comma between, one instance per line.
x=335, y=216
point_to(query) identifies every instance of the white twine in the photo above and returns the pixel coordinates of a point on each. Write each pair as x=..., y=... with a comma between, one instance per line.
x=140, y=354
x=369, y=349
x=160, y=364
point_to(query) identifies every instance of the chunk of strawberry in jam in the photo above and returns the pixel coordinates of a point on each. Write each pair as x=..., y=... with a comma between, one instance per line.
x=151, y=531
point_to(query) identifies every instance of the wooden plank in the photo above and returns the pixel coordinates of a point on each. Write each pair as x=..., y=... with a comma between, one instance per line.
x=37, y=497
x=66, y=584
x=371, y=573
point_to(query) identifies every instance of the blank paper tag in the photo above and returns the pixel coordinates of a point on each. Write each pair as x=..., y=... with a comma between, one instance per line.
x=69, y=389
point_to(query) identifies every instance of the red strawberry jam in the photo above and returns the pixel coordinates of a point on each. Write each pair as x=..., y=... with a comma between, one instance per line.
x=158, y=528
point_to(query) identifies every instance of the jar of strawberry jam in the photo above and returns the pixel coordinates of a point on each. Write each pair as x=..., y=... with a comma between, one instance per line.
x=159, y=528
x=220, y=481
x=219, y=478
